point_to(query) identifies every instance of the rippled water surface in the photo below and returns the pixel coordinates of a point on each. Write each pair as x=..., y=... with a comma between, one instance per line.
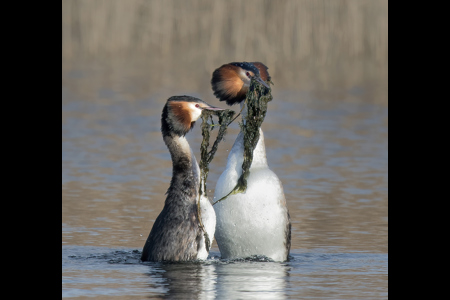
x=330, y=154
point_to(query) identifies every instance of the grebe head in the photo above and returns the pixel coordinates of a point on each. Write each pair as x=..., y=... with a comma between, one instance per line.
x=180, y=113
x=231, y=81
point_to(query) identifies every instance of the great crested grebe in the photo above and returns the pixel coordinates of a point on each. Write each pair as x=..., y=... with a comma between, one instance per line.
x=178, y=234
x=257, y=221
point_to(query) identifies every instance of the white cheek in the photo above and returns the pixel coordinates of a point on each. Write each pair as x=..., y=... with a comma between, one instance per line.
x=195, y=112
x=244, y=78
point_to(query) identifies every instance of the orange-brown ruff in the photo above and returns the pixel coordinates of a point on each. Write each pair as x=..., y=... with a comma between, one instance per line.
x=231, y=81
x=181, y=111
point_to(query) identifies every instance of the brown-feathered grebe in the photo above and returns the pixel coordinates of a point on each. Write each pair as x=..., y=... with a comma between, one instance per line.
x=257, y=221
x=178, y=234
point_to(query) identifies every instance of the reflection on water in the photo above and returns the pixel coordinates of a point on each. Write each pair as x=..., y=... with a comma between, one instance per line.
x=223, y=280
x=252, y=280
x=184, y=280
x=331, y=157
x=103, y=272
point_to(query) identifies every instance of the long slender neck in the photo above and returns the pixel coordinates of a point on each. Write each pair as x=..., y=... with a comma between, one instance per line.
x=259, y=154
x=184, y=173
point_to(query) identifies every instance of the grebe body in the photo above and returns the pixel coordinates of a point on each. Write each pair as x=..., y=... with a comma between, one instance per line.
x=178, y=234
x=255, y=222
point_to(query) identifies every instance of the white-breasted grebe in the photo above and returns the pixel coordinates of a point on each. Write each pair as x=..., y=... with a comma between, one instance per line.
x=255, y=222
x=177, y=234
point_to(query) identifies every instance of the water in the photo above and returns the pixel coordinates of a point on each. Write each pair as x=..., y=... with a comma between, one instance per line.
x=104, y=272
x=330, y=154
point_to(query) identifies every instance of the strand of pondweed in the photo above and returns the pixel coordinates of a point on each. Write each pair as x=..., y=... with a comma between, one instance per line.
x=256, y=101
x=206, y=157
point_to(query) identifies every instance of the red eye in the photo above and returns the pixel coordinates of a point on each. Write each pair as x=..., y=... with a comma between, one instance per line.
x=248, y=74
x=197, y=105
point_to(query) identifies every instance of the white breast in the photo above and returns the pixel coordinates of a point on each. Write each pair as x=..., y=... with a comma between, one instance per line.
x=207, y=213
x=254, y=222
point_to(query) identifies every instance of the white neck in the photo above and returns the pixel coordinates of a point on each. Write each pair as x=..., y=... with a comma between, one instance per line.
x=237, y=152
x=259, y=154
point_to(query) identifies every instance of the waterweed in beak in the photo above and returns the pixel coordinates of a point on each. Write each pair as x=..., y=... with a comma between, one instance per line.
x=256, y=101
x=225, y=115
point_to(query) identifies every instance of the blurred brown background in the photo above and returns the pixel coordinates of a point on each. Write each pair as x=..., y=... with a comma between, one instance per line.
x=326, y=136
x=121, y=60
x=320, y=46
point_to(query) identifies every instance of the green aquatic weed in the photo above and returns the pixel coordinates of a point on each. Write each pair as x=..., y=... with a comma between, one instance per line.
x=207, y=156
x=256, y=101
x=225, y=118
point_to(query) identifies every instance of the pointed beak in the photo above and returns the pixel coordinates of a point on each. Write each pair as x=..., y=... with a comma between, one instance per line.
x=259, y=79
x=209, y=107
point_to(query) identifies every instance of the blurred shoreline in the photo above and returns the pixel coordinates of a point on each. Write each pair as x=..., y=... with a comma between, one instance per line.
x=321, y=46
